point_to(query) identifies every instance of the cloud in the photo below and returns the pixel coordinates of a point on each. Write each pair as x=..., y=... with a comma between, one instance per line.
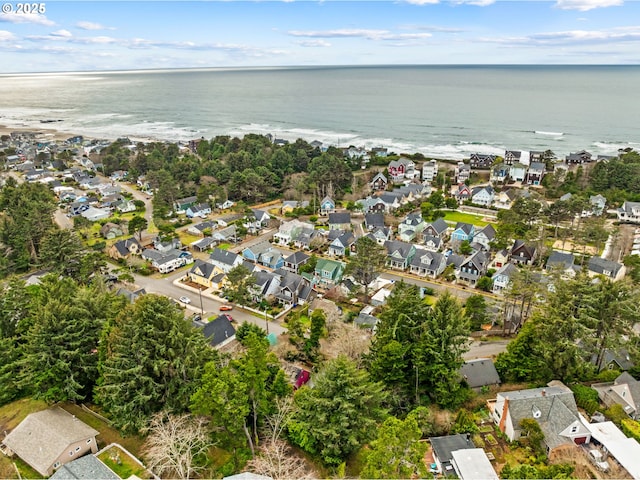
x=359, y=33
x=432, y=28
x=62, y=33
x=585, y=5
x=6, y=36
x=26, y=18
x=477, y=3
x=422, y=2
x=572, y=37
x=313, y=43
x=246, y=50
x=92, y=26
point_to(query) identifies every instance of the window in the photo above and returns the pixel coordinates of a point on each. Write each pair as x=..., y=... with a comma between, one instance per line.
x=574, y=429
x=89, y=440
x=71, y=453
x=56, y=465
x=77, y=449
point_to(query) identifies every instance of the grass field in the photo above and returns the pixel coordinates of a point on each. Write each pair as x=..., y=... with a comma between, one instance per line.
x=455, y=217
x=122, y=464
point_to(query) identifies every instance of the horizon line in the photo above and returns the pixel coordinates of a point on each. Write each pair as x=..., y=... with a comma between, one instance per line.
x=311, y=67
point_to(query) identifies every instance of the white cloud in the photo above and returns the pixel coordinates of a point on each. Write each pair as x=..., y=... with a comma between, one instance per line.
x=422, y=2
x=91, y=26
x=6, y=36
x=314, y=43
x=477, y=3
x=585, y=5
x=359, y=33
x=62, y=33
x=26, y=18
x=571, y=37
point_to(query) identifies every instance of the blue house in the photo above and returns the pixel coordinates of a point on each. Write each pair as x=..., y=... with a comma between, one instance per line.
x=254, y=252
x=327, y=206
x=462, y=232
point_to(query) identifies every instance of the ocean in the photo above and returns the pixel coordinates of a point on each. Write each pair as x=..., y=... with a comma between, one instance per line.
x=440, y=111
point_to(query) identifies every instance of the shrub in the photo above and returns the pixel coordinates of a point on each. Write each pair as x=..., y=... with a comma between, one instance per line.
x=607, y=375
x=631, y=428
x=616, y=414
x=586, y=397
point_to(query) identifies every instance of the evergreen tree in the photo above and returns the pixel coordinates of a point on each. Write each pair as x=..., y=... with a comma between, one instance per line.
x=152, y=361
x=367, y=263
x=339, y=414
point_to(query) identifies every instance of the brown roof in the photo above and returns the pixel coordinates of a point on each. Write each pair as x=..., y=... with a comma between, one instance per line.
x=43, y=436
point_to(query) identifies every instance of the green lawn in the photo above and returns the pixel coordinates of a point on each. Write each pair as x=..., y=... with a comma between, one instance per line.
x=122, y=464
x=224, y=246
x=186, y=238
x=455, y=217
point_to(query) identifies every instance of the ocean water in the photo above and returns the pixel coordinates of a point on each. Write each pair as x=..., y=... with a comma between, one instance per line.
x=440, y=111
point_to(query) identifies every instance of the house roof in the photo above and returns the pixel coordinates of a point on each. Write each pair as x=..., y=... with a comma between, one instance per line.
x=43, y=436
x=413, y=219
x=521, y=249
x=379, y=176
x=122, y=246
x=439, y=225
x=296, y=258
x=473, y=464
x=223, y=256
x=426, y=258
x=259, y=248
x=218, y=330
x=346, y=239
x=601, y=265
x=327, y=200
x=488, y=231
x=131, y=296
x=432, y=239
x=508, y=270
x=202, y=269
x=373, y=220
x=339, y=218
x=443, y=447
x=203, y=243
x=467, y=228
x=480, y=372
x=479, y=260
x=455, y=260
x=328, y=265
x=403, y=248
x=88, y=467
x=561, y=259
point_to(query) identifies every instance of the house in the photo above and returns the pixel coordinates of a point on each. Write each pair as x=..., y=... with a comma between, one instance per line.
x=288, y=206
x=478, y=160
x=202, y=228
x=224, y=260
x=437, y=228
x=598, y=204
x=226, y=204
x=473, y=464
x=518, y=172
x=94, y=214
x=463, y=231
x=623, y=391
x=411, y=227
x=166, y=245
x=608, y=268
x=431, y=243
x=293, y=262
x=293, y=289
x=266, y=284
x=366, y=321
x=373, y=220
x=521, y=253
x=553, y=407
x=327, y=273
x=181, y=205
x=371, y=205
x=387, y=202
x=501, y=258
x=462, y=172
x=381, y=152
x=254, y=252
x=380, y=235
x=111, y=230
x=203, y=244
x=462, y=192
x=535, y=173
x=473, y=268
x=503, y=277
x=88, y=467
x=399, y=254
x=443, y=447
x=340, y=221
x=626, y=451
x=505, y=198
x=256, y=221
x=48, y=439
x=629, y=212
x=219, y=332
x=272, y=258
x=200, y=210
x=131, y=296
x=124, y=248
x=202, y=273
x=228, y=234
x=427, y=264
x=578, y=158
x=339, y=246
x=125, y=206
x=163, y=262
x=479, y=373
x=563, y=262
x=327, y=206
x=482, y=195
x=512, y=156
x=485, y=236
x=401, y=169
x=429, y=171
x=379, y=182
x=499, y=173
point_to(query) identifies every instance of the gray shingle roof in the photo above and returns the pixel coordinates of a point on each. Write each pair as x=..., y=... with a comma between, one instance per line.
x=203, y=269
x=602, y=265
x=43, y=436
x=218, y=330
x=480, y=372
x=223, y=256
x=560, y=259
x=439, y=225
x=443, y=447
x=88, y=467
x=374, y=220
x=339, y=218
x=297, y=258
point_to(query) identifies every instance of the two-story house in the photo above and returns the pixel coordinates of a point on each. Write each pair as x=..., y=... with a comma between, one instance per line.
x=512, y=156
x=503, y=277
x=379, y=182
x=373, y=220
x=499, y=173
x=327, y=206
x=327, y=273
x=535, y=173
x=293, y=289
x=485, y=236
x=437, y=228
x=429, y=171
x=288, y=232
x=518, y=172
x=224, y=260
x=473, y=268
x=380, y=235
x=411, y=227
x=256, y=221
x=200, y=210
x=125, y=248
x=340, y=221
x=399, y=254
x=462, y=172
x=521, y=253
x=629, y=212
x=461, y=192
x=482, y=195
x=578, y=158
x=427, y=264
x=293, y=262
x=608, y=268
x=463, y=231
x=340, y=245
x=401, y=169
x=481, y=161
x=202, y=273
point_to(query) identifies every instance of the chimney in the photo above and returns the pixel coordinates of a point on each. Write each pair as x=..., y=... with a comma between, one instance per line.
x=503, y=418
x=543, y=392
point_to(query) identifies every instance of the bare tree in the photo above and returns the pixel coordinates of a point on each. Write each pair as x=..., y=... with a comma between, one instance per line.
x=175, y=443
x=345, y=339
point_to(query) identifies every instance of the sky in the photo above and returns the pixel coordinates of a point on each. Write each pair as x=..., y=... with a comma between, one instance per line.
x=70, y=36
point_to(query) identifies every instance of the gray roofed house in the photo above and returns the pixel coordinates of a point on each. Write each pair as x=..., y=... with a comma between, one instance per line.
x=503, y=277
x=608, y=268
x=203, y=244
x=374, y=220
x=562, y=261
x=88, y=467
x=428, y=263
x=380, y=235
x=399, y=254
x=479, y=373
x=614, y=359
x=485, y=236
x=294, y=261
x=521, y=253
x=437, y=228
x=339, y=221
x=623, y=391
x=432, y=243
x=443, y=448
x=366, y=321
x=293, y=288
x=455, y=260
x=48, y=439
x=131, y=296
x=219, y=332
x=473, y=268
x=553, y=407
x=342, y=244
x=629, y=212
x=124, y=248
x=224, y=259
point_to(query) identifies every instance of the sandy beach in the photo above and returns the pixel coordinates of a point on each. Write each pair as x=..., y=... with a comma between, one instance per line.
x=44, y=131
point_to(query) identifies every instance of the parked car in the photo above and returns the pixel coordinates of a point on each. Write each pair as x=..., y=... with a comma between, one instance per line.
x=226, y=308
x=598, y=460
x=229, y=317
x=185, y=300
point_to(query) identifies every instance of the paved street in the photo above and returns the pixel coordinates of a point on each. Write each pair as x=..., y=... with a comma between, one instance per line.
x=461, y=292
x=165, y=286
x=484, y=349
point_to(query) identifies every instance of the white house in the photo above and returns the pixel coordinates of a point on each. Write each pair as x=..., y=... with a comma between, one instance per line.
x=483, y=195
x=429, y=171
x=629, y=212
